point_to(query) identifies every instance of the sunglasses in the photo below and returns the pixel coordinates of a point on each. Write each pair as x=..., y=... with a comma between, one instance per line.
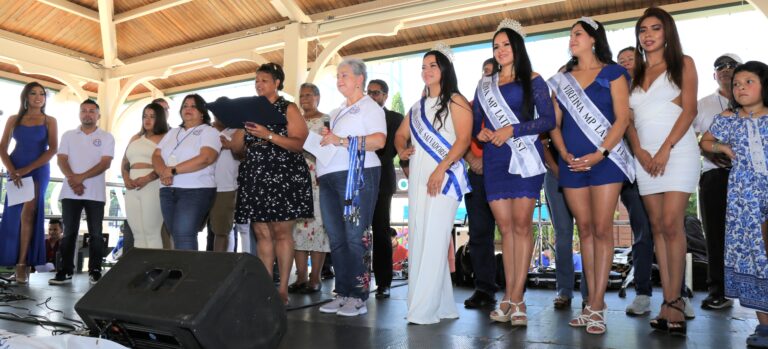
x=728, y=65
x=374, y=93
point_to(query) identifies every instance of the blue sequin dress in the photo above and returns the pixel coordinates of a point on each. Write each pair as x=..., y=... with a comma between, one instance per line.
x=499, y=183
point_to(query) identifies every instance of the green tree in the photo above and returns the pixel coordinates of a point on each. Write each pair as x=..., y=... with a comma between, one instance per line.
x=397, y=104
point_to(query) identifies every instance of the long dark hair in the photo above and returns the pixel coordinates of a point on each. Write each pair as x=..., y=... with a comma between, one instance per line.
x=161, y=119
x=200, y=105
x=761, y=70
x=24, y=98
x=602, y=49
x=522, y=67
x=449, y=85
x=673, y=50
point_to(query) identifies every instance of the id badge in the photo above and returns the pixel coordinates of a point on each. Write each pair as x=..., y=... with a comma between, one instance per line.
x=172, y=161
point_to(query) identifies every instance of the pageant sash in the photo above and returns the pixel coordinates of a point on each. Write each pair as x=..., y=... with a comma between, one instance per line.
x=525, y=160
x=591, y=121
x=437, y=147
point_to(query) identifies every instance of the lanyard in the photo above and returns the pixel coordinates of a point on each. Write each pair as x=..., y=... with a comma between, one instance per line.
x=178, y=142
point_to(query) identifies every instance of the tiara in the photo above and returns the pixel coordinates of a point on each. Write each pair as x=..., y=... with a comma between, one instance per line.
x=592, y=23
x=513, y=25
x=444, y=49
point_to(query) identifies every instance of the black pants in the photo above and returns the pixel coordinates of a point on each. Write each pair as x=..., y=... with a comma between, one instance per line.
x=481, y=230
x=382, y=241
x=713, y=193
x=71, y=211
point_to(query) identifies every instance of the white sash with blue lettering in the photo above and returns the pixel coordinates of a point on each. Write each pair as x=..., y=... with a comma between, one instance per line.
x=456, y=183
x=593, y=124
x=525, y=160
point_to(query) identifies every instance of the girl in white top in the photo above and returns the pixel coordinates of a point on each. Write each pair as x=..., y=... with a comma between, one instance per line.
x=663, y=100
x=141, y=181
x=185, y=160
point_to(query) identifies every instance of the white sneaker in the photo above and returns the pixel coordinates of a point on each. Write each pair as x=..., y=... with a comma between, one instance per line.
x=689, y=313
x=353, y=307
x=333, y=306
x=640, y=306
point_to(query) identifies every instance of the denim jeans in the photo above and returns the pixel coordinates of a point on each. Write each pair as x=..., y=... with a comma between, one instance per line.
x=642, y=248
x=350, y=243
x=562, y=222
x=184, y=210
x=481, y=233
x=71, y=210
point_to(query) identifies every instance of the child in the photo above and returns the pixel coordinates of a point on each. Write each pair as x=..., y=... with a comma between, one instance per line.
x=742, y=135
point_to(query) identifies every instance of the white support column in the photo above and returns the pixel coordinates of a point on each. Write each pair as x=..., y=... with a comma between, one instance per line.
x=760, y=5
x=108, y=37
x=109, y=91
x=294, y=59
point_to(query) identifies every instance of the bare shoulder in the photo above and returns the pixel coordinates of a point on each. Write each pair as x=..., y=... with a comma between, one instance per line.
x=727, y=113
x=688, y=62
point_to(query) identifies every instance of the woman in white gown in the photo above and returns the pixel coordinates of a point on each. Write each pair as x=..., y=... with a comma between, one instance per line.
x=440, y=125
x=663, y=100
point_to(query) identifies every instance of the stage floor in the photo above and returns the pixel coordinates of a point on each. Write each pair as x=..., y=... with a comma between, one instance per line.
x=385, y=326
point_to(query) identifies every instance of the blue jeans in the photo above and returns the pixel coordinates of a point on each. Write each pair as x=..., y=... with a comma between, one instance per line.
x=562, y=222
x=482, y=227
x=350, y=243
x=184, y=210
x=642, y=248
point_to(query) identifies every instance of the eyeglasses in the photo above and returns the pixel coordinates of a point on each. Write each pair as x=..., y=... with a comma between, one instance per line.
x=728, y=65
x=374, y=93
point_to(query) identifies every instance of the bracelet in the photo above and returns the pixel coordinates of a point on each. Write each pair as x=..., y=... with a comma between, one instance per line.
x=715, y=147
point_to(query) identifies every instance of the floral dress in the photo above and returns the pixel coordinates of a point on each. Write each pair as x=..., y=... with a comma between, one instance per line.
x=309, y=234
x=746, y=264
x=274, y=183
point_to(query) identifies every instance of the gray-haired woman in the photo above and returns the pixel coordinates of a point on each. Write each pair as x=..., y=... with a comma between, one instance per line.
x=349, y=185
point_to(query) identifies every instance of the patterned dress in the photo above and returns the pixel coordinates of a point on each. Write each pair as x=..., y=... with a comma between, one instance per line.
x=309, y=234
x=746, y=264
x=274, y=183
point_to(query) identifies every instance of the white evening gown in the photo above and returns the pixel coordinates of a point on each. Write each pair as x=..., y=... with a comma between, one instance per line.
x=655, y=114
x=430, y=221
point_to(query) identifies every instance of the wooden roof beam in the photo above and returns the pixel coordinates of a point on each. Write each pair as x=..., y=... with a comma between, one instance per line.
x=289, y=8
x=148, y=9
x=25, y=53
x=761, y=5
x=73, y=8
x=108, y=36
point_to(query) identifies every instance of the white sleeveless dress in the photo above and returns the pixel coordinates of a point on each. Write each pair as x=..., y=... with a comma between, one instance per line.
x=655, y=114
x=430, y=221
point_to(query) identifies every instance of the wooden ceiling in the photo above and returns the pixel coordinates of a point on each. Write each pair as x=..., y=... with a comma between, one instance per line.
x=199, y=20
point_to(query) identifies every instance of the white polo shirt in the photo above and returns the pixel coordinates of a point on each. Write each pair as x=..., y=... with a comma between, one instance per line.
x=179, y=145
x=226, y=167
x=708, y=107
x=360, y=119
x=84, y=151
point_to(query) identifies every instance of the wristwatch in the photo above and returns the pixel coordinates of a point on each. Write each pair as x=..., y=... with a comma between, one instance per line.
x=269, y=138
x=341, y=141
x=173, y=171
x=604, y=151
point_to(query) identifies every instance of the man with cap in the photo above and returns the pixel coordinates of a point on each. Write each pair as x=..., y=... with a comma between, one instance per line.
x=713, y=183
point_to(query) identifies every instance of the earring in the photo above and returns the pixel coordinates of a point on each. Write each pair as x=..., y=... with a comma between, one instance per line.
x=26, y=104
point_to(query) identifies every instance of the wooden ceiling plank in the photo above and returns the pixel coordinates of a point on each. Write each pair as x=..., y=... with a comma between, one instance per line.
x=148, y=9
x=72, y=8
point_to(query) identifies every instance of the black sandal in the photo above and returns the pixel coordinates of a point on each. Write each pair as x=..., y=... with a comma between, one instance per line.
x=296, y=287
x=678, y=328
x=660, y=324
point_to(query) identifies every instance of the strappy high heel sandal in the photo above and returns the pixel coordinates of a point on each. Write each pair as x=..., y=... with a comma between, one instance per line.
x=518, y=318
x=659, y=323
x=596, y=326
x=22, y=274
x=583, y=319
x=677, y=328
x=501, y=316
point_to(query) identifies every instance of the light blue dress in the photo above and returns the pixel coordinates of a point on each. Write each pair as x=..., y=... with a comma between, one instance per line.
x=746, y=264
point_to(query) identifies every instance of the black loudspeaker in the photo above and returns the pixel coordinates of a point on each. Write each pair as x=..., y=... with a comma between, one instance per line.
x=185, y=299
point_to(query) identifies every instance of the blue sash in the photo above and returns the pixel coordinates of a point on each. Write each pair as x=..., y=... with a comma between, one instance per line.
x=434, y=144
